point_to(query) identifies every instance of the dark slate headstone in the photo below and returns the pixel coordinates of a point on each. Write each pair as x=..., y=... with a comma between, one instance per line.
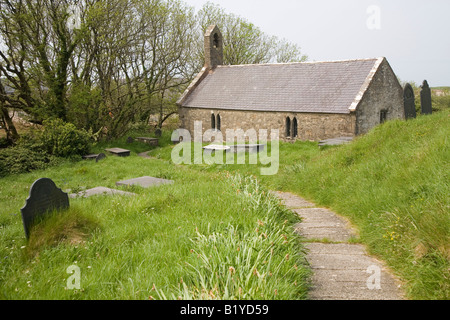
x=409, y=102
x=100, y=156
x=425, y=98
x=96, y=157
x=130, y=140
x=44, y=197
x=158, y=132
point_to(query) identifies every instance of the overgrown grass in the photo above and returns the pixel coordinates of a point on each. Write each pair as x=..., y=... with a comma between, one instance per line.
x=392, y=183
x=129, y=247
x=210, y=235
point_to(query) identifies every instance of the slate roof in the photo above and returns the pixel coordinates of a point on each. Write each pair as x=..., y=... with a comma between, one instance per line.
x=317, y=87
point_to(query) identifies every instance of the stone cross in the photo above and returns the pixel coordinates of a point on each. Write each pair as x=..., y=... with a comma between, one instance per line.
x=409, y=102
x=44, y=197
x=425, y=98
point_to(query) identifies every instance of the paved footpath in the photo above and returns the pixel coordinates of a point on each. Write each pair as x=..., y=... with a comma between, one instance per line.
x=341, y=270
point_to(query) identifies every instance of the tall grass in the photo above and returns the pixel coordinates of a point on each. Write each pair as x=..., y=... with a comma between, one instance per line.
x=264, y=263
x=126, y=247
x=393, y=184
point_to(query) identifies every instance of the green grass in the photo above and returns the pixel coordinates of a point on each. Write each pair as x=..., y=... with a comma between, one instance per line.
x=393, y=184
x=216, y=233
x=156, y=244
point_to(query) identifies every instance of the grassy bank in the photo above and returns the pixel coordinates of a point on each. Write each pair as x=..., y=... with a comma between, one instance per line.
x=391, y=183
x=394, y=185
x=167, y=242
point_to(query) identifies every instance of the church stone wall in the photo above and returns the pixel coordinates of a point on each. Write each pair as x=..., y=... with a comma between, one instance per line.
x=311, y=126
x=384, y=94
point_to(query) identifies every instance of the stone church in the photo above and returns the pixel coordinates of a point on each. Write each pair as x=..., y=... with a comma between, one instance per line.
x=306, y=101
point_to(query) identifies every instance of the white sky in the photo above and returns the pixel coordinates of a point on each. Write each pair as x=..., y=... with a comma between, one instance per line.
x=414, y=35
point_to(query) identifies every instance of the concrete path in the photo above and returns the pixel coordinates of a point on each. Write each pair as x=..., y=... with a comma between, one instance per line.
x=342, y=270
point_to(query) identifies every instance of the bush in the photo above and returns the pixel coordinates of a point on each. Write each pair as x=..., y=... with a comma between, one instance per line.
x=59, y=139
x=19, y=160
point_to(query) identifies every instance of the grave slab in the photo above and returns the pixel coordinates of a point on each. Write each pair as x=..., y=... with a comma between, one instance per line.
x=335, y=141
x=151, y=141
x=144, y=182
x=250, y=148
x=119, y=152
x=96, y=157
x=99, y=191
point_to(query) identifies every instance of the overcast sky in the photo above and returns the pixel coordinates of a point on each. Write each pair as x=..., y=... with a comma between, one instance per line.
x=413, y=35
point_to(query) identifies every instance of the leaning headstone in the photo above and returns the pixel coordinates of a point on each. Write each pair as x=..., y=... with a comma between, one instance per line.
x=96, y=157
x=409, y=102
x=100, y=156
x=44, y=197
x=425, y=98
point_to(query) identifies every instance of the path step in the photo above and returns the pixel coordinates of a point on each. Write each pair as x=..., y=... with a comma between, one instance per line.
x=341, y=271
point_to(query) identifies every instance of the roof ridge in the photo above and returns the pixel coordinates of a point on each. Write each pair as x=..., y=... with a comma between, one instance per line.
x=297, y=63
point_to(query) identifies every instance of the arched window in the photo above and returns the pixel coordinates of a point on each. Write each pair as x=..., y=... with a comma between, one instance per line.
x=288, y=127
x=213, y=121
x=218, y=122
x=295, y=128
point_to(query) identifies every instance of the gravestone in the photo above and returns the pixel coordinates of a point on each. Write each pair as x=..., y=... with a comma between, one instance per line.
x=44, y=197
x=100, y=191
x=409, y=102
x=96, y=157
x=249, y=148
x=335, y=141
x=151, y=141
x=425, y=98
x=144, y=182
x=119, y=152
x=130, y=140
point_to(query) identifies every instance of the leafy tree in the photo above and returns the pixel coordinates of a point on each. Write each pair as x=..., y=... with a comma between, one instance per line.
x=245, y=43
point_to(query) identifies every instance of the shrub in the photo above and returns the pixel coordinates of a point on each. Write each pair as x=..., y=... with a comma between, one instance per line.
x=19, y=160
x=60, y=139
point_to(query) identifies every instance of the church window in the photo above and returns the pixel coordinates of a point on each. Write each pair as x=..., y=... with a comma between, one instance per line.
x=218, y=122
x=383, y=116
x=295, y=128
x=288, y=127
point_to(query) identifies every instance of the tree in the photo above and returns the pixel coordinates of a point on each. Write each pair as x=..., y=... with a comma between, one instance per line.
x=39, y=45
x=244, y=43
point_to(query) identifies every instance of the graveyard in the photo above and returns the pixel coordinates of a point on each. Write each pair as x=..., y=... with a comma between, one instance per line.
x=165, y=234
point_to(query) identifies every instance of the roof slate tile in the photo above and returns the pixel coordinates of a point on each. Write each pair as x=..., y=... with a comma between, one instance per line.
x=317, y=87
